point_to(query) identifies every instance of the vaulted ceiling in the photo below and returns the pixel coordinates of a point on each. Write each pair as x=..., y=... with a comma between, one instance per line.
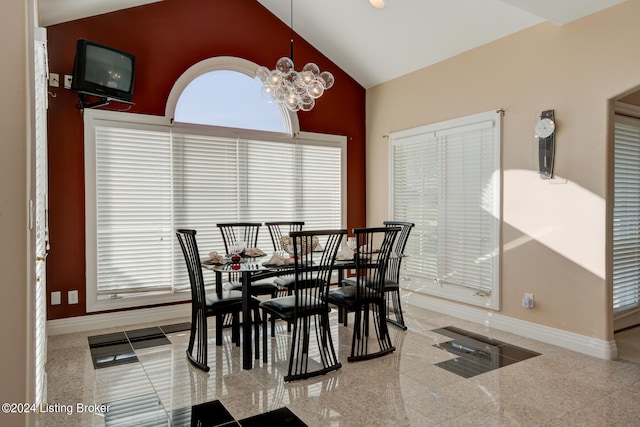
x=373, y=45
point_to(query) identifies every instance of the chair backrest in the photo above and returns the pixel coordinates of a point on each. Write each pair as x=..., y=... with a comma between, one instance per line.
x=187, y=239
x=375, y=246
x=313, y=268
x=395, y=261
x=278, y=228
x=246, y=232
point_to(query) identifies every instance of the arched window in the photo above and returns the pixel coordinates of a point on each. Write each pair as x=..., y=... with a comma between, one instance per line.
x=222, y=92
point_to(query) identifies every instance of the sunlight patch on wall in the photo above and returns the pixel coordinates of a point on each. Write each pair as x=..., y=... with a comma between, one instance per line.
x=565, y=217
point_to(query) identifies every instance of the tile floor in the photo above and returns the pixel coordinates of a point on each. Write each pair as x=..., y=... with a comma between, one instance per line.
x=444, y=372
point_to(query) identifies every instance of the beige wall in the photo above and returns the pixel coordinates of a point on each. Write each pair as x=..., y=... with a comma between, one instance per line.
x=554, y=232
x=14, y=359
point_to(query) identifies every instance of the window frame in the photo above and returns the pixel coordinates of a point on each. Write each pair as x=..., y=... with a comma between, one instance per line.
x=441, y=288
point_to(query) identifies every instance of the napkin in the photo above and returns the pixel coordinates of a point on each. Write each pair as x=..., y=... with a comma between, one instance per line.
x=278, y=260
x=344, y=255
x=253, y=252
x=215, y=258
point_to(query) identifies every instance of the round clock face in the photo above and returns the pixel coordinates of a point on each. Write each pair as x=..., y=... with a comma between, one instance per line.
x=545, y=127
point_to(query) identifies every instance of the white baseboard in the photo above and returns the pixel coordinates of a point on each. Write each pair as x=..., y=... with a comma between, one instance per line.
x=569, y=340
x=93, y=322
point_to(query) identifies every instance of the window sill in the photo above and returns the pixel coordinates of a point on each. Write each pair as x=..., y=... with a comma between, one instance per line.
x=139, y=300
x=451, y=292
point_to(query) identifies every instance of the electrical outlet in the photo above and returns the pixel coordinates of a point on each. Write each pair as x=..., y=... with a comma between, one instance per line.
x=527, y=301
x=55, y=298
x=72, y=297
x=67, y=81
x=54, y=80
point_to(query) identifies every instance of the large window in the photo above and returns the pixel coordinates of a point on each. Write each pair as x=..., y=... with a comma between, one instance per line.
x=445, y=178
x=626, y=220
x=144, y=181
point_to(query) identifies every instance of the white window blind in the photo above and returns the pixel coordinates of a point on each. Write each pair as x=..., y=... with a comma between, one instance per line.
x=206, y=186
x=151, y=180
x=445, y=179
x=319, y=196
x=626, y=215
x=269, y=188
x=134, y=210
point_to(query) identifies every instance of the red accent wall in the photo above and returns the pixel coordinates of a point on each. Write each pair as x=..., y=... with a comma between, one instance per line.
x=167, y=38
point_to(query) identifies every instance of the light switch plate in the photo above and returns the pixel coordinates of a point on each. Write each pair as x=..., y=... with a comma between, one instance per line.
x=55, y=298
x=67, y=81
x=72, y=297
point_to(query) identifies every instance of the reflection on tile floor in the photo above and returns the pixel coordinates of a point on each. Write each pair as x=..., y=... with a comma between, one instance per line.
x=478, y=354
x=147, y=411
x=529, y=380
x=111, y=350
x=119, y=348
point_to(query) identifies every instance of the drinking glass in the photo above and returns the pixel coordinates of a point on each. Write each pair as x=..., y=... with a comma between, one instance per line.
x=238, y=246
x=352, y=244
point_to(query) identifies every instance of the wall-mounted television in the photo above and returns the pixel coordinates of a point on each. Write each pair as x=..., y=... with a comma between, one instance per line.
x=103, y=71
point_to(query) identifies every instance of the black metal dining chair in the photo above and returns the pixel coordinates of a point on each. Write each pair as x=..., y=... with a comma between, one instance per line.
x=392, y=281
x=246, y=232
x=280, y=229
x=366, y=293
x=307, y=308
x=205, y=305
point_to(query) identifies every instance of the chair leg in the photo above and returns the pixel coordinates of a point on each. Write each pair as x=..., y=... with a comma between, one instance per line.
x=366, y=321
x=235, y=329
x=198, y=336
x=219, y=326
x=273, y=326
x=384, y=339
x=397, y=309
x=289, y=293
x=357, y=336
x=296, y=354
x=265, y=338
x=360, y=341
x=192, y=333
x=256, y=332
x=299, y=353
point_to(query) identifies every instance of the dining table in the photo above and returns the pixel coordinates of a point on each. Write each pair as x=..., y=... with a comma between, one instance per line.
x=255, y=268
x=248, y=269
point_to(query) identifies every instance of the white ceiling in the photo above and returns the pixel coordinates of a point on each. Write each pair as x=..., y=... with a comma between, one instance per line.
x=374, y=46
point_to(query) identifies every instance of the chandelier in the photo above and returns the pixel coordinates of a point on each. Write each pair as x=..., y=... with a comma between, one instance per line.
x=296, y=90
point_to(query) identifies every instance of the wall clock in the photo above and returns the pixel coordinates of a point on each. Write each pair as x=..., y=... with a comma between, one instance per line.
x=545, y=130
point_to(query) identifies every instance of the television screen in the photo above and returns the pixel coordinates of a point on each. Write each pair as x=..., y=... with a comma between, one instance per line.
x=103, y=71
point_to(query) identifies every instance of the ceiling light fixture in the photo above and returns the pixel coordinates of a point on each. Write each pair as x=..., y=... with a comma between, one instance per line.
x=378, y=4
x=297, y=90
